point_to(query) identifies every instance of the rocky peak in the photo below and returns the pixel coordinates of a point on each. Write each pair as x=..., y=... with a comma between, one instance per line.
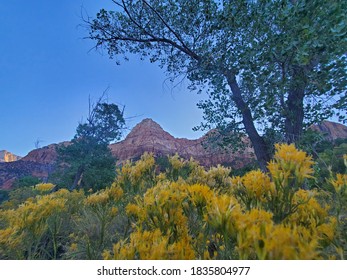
x=148, y=136
x=6, y=156
x=148, y=129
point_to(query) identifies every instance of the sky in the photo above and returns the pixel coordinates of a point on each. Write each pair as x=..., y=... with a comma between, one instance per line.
x=48, y=72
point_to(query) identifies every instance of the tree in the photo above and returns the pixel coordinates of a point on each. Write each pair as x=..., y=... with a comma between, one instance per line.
x=88, y=161
x=265, y=64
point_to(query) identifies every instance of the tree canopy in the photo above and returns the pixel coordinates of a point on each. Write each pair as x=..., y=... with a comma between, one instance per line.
x=267, y=65
x=87, y=161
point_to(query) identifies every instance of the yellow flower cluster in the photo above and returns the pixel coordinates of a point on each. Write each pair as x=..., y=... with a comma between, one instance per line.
x=254, y=189
x=290, y=166
x=29, y=222
x=200, y=195
x=139, y=176
x=104, y=197
x=151, y=245
x=44, y=187
x=218, y=177
x=186, y=213
x=340, y=183
x=176, y=162
x=222, y=214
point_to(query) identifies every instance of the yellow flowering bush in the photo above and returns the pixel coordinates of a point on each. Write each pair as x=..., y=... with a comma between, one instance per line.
x=253, y=189
x=37, y=225
x=44, y=187
x=94, y=223
x=162, y=206
x=218, y=177
x=150, y=245
x=179, y=168
x=290, y=167
x=186, y=212
x=138, y=176
x=340, y=184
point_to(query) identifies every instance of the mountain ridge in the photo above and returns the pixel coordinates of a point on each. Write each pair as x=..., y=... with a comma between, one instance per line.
x=147, y=136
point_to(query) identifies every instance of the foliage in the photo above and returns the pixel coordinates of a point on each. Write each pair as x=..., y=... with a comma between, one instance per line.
x=18, y=196
x=93, y=227
x=267, y=66
x=136, y=177
x=328, y=155
x=185, y=212
x=85, y=165
x=37, y=228
x=26, y=181
x=87, y=161
x=3, y=195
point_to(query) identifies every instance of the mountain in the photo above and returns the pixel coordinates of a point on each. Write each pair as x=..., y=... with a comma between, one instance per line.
x=148, y=136
x=6, y=156
x=38, y=163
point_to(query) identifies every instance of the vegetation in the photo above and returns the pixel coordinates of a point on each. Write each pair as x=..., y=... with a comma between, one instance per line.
x=185, y=212
x=88, y=161
x=269, y=67
x=26, y=181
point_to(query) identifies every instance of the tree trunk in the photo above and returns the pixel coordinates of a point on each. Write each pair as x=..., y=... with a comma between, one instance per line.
x=294, y=116
x=78, y=178
x=259, y=145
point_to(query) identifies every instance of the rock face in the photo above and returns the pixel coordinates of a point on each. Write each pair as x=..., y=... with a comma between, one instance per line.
x=10, y=171
x=38, y=163
x=6, y=156
x=45, y=155
x=331, y=130
x=148, y=136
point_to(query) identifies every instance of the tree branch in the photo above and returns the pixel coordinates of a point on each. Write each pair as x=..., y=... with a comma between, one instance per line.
x=166, y=24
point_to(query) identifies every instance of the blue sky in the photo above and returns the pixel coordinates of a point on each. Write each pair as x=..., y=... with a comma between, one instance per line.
x=47, y=73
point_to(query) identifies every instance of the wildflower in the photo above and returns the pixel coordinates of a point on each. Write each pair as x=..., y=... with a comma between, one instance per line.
x=106, y=255
x=223, y=213
x=218, y=177
x=253, y=189
x=256, y=183
x=113, y=211
x=44, y=187
x=290, y=166
x=133, y=210
x=114, y=192
x=99, y=198
x=73, y=247
x=340, y=183
x=176, y=162
x=200, y=195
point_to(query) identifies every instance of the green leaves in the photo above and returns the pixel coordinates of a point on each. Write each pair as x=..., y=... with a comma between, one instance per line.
x=88, y=162
x=103, y=125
